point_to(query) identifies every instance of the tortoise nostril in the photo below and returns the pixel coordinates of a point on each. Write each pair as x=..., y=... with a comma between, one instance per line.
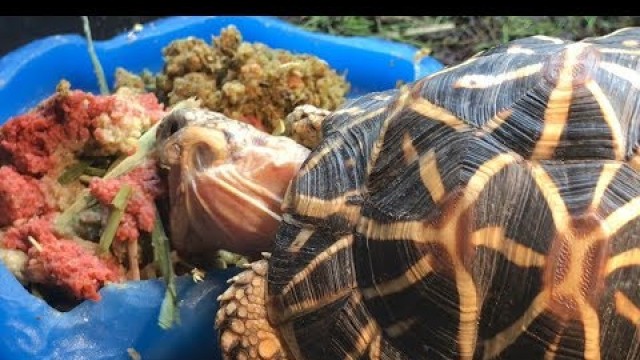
x=175, y=126
x=202, y=157
x=172, y=123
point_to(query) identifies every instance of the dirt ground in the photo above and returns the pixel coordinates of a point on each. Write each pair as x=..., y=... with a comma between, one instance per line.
x=452, y=39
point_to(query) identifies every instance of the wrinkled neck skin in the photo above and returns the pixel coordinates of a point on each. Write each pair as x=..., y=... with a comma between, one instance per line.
x=227, y=182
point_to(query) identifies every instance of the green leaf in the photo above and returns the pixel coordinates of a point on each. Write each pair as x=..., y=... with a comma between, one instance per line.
x=115, y=217
x=97, y=67
x=146, y=144
x=169, y=312
x=94, y=171
x=73, y=172
x=121, y=198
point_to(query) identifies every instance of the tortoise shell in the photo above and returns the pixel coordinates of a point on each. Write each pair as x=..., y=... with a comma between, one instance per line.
x=488, y=211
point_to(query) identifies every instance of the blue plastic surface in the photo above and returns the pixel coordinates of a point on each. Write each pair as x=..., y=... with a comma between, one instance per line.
x=126, y=317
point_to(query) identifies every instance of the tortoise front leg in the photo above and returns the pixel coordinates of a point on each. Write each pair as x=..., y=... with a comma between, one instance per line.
x=243, y=327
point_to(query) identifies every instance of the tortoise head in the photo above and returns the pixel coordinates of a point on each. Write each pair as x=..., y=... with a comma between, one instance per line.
x=226, y=182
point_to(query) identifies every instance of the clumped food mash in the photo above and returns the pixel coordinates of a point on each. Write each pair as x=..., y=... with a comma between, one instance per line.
x=53, y=260
x=49, y=156
x=245, y=81
x=75, y=123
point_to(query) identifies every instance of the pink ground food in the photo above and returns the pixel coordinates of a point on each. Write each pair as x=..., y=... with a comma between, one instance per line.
x=29, y=144
x=30, y=141
x=140, y=212
x=20, y=196
x=61, y=261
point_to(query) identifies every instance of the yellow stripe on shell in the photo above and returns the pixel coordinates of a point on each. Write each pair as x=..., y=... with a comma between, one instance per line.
x=610, y=118
x=494, y=238
x=626, y=308
x=557, y=112
x=495, y=346
x=496, y=121
x=327, y=254
x=622, y=260
x=483, y=81
x=607, y=175
x=400, y=327
x=421, y=269
x=433, y=112
x=552, y=197
x=431, y=178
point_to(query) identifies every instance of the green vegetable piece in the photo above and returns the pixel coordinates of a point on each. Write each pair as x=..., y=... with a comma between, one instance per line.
x=97, y=67
x=169, y=312
x=146, y=145
x=73, y=172
x=115, y=217
x=94, y=171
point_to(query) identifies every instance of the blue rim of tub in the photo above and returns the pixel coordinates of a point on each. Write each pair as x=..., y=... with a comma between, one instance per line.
x=126, y=317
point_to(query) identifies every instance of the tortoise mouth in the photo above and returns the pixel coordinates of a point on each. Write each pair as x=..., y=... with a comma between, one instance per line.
x=226, y=182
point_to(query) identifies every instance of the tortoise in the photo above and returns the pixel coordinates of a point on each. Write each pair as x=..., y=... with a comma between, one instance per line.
x=490, y=210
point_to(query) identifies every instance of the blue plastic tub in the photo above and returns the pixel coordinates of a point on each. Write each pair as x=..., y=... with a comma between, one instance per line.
x=126, y=317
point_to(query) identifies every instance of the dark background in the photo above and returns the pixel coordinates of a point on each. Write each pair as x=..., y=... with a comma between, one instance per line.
x=16, y=31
